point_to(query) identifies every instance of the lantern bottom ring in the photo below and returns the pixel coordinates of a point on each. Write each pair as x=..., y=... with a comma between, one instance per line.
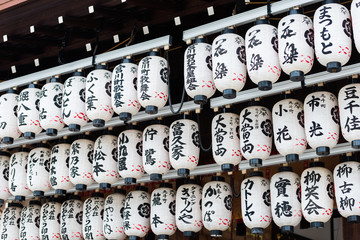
x=60, y=192
x=287, y=228
x=80, y=187
x=38, y=193
x=189, y=234
x=292, y=158
x=297, y=76
x=333, y=67
x=134, y=238
x=29, y=135
x=19, y=198
x=255, y=162
x=317, y=225
x=74, y=127
x=163, y=237
x=8, y=140
x=200, y=99
x=183, y=172
x=155, y=177
x=151, y=109
x=322, y=151
x=257, y=231
x=227, y=167
x=125, y=116
x=216, y=233
x=354, y=144
x=353, y=219
x=229, y=93
x=130, y=180
x=105, y=186
x=265, y=85
x=99, y=123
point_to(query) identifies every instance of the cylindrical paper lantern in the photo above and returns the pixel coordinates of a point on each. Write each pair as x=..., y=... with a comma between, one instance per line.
x=296, y=44
x=30, y=221
x=321, y=115
x=4, y=176
x=156, y=151
x=152, y=86
x=188, y=208
x=50, y=220
x=113, y=215
x=28, y=111
x=355, y=16
x=98, y=96
x=50, y=106
x=137, y=213
x=262, y=61
x=217, y=206
x=10, y=222
x=332, y=36
x=124, y=90
x=71, y=219
x=317, y=194
x=228, y=56
x=255, y=202
x=73, y=104
x=38, y=176
x=93, y=217
x=162, y=211
x=198, y=78
x=130, y=163
x=288, y=127
x=255, y=133
x=184, y=145
x=286, y=199
x=9, y=129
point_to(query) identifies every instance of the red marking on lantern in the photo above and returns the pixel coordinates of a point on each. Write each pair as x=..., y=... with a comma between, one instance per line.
x=236, y=153
x=208, y=84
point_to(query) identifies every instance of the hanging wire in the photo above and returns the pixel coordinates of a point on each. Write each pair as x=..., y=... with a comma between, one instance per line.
x=236, y=195
x=128, y=41
x=268, y=4
x=97, y=33
x=200, y=141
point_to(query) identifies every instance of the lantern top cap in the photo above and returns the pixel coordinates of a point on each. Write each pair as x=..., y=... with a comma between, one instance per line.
x=218, y=178
x=15, y=204
x=317, y=164
x=348, y=158
x=296, y=10
x=97, y=194
x=255, y=102
x=3, y=153
x=35, y=202
x=33, y=85
x=55, y=78
x=256, y=174
x=165, y=185
x=331, y=1
x=120, y=191
x=190, y=181
x=228, y=30
x=141, y=188
x=74, y=197
x=285, y=169
x=79, y=72
x=23, y=149
x=262, y=20
x=200, y=39
x=12, y=90
x=101, y=66
x=128, y=59
x=154, y=52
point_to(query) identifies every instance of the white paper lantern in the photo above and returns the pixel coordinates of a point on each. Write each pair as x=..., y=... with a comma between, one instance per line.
x=355, y=16
x=296, y=44
x=152, y=86
x=137, y=213
x=162, y=211
x=188, y=208
x=130, y=155
x=81, y=159
x=288, y=127
x=113, y=215
x=217, y=206
x=9, y=129
x=4, y=176
x=321, y=115
x=332, y=36
x=225, y=140
x=28, y=111
x=93, y=217
x=50, y=220
x=255, y=133
x=59, y=168
x=18, y=174
x=73, y=104
x=198, y=78
x=228, y=55
x=262, y=61
x=124, y=90
x=156, y=151
x=255, y=202
x=98, y=96
x=71, y=219
x=30, y=221
x=184, y=146
x=50, y=107
x=38, y=177
x=10, y=222
x=286, y=199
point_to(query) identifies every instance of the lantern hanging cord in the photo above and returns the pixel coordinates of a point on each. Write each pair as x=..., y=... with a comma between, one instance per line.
x=236, y=195
x=268, y=4
x=97, y=33
x=200, y=141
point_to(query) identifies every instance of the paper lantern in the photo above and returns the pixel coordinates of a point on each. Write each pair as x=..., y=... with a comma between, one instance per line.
x=28, y=111
x=332, y=36
x=73, y=104
x=130, y=146
x=113, y=215
x=10, y=221
x=355, y=15
x=184, y=145
x=105, y=164
x=228, y=55
x=38, y=177
x=255, y=202
x=9, y=129
x=321, y=115
x=255, y=133
x=124, y=91
x=71, y=218
x=288, y=127
x=18, y=174
x=156, y=151
x=198, y=78
x=188, y=208
x=152, y=86
x=296, y=44
x=162, y=211
x=261, y=44
x=217, y=206
x=59, y=168
x=4, y=176
x=225, y=140
x=286, y=199
x=50, y=220
x=317, y=194
x=137, y=213
x=81, y=159
x=50, y=106
x=347, y=181
x=30, y=221
x=98, y=96
x=93, y=217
